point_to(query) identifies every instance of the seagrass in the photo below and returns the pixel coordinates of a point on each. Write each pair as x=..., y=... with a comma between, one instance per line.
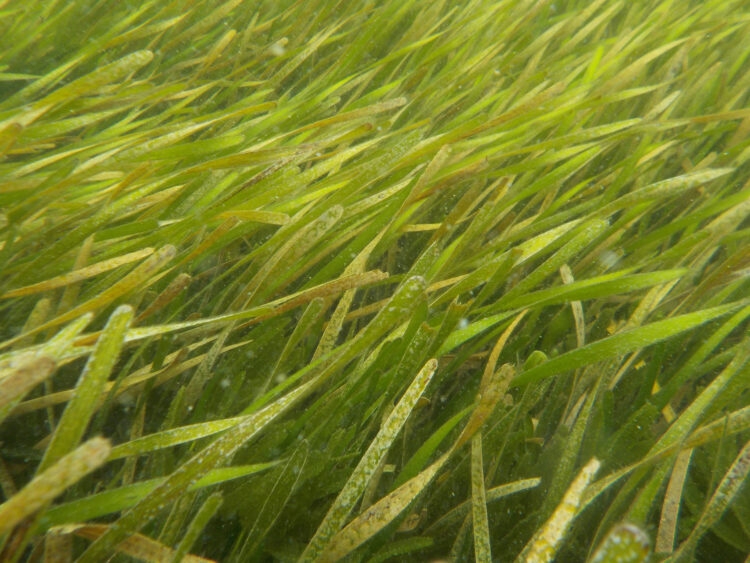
x=374, y=281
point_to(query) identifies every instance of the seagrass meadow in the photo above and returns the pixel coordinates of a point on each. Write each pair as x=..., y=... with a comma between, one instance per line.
x=374, y=281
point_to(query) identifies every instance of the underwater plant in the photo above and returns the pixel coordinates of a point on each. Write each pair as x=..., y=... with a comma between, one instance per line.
x=374, y=281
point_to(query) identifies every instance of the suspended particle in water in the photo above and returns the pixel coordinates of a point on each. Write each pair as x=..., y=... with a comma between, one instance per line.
x=278, y=48
x=608, y=259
